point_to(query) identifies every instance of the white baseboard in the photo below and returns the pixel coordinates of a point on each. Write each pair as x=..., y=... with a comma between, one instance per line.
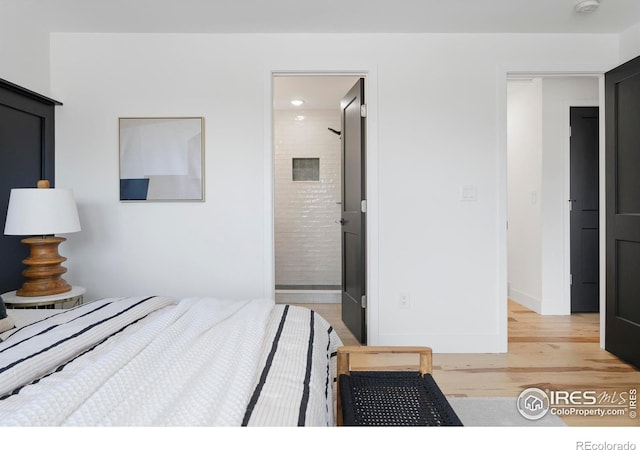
x=526, y=300
x=310, y=296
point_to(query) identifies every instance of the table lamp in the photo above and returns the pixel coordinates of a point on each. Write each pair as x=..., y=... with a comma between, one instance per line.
x=42, y=212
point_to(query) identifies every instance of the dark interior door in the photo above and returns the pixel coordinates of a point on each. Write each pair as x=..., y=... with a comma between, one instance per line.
x=585, y=254
x=26, y=156
x=353, y=212
x=622, y=100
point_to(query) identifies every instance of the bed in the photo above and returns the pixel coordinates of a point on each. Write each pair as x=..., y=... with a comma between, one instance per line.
x=158, y=361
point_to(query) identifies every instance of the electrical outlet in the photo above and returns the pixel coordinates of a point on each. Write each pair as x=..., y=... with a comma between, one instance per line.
x=404, y=302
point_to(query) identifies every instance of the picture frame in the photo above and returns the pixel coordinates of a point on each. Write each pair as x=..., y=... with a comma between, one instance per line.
x=161, y=159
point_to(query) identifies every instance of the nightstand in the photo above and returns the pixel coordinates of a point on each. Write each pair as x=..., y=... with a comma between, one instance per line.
x=75, y=295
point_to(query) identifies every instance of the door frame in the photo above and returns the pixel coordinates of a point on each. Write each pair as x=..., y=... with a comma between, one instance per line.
x=371, y=218
x=504, y=72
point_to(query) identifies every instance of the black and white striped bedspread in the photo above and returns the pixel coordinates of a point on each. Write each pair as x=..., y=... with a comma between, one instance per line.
x=296, y=381
x=36, y=349
x=155, y=361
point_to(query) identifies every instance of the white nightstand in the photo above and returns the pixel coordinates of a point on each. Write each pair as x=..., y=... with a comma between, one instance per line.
x=75, y=295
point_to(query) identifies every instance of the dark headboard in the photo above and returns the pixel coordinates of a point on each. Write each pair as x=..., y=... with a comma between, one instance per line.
x=27, y=154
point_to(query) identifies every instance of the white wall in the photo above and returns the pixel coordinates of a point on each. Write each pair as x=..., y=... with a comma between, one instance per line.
x=630, y=43
x=307, y=237
x=24, y=50
x=524, y=161
x=435, y=107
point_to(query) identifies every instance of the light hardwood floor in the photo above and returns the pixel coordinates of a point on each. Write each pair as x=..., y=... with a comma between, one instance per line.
x=555, y=353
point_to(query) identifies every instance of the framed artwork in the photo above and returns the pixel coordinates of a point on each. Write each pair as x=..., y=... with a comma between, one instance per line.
x=161, y=158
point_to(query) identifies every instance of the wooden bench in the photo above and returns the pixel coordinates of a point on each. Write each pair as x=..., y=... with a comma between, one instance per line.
x=390, y=398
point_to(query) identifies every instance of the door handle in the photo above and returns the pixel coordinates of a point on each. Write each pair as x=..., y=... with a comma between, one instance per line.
x=341, y=221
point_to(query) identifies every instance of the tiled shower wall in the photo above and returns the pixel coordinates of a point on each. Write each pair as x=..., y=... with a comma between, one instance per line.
x=307, y=237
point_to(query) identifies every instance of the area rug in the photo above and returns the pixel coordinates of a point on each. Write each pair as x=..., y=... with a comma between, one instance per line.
x=497, y=412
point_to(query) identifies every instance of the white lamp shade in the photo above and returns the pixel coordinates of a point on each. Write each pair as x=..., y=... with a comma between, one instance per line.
x=41, y=212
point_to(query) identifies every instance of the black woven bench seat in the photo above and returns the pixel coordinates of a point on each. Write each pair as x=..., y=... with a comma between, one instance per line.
x=394, y=399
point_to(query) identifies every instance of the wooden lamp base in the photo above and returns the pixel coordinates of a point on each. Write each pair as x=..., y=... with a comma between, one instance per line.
x=44, y=270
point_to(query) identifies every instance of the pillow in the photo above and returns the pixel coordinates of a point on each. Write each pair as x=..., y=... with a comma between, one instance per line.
x=6, y=322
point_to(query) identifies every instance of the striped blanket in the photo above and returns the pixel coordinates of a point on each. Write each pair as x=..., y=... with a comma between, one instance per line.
x=154, y=361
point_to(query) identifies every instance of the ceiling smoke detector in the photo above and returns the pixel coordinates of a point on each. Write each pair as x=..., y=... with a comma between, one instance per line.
x=587, y=6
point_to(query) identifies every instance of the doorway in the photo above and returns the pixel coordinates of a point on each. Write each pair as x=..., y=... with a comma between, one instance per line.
x=539, y=235
x=308, y=167
x=307, y=189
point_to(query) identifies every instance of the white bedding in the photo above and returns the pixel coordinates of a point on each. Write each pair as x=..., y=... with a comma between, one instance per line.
x=159, y=362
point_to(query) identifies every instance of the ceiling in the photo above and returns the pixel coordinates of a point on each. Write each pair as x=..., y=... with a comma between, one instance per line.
x=317, y=92
x=323, y=16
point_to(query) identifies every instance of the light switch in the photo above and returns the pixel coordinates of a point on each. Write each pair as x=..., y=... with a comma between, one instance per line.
x=469, y=193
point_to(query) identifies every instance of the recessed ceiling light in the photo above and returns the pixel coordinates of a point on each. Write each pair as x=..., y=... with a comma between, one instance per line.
x=297, y=102
x=587, y=6
x=299, y=118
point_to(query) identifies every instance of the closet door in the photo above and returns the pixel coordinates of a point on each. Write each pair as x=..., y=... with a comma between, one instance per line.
x=26, y=156
x=622, y=99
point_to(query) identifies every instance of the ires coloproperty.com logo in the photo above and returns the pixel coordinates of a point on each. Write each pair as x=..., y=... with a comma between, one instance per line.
x=534, y=403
